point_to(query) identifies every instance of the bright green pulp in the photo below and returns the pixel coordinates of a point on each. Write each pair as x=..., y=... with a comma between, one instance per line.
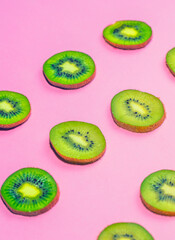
x=158, y=190
x=13, y=107
x=127, y=32
x=29, y=190
x=136, y=108
x=125, y=231
x=170, y=59
x=78, y=140
x=69, y=67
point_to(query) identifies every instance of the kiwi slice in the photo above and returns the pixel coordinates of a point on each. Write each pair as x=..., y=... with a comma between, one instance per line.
x=14, y=109
x=77, y=142
x=137, y=111
x=69, y=69
x=170, y=60
x=128, y=34
x=157, y=192
x=125, y=231
x=29, y=192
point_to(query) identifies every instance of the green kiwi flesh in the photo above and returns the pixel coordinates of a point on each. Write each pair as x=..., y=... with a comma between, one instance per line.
x=170, y=60
x=29, y=192
x=158, y=192
x=125, y=231
x=137, y=111
x=69, y=69
x=128, y=34
x=14, y=109
x=77, y=142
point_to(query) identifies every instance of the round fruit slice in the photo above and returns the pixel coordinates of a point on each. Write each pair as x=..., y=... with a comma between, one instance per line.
x=29, y=192
x=137, y=111
x=158, y=192
x=125, y=231
x=69, y=69
x=77, y=142
x=128, y=34
x=14, y=109
x=170, y=60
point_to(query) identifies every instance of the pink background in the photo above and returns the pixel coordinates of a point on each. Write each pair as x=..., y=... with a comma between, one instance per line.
x=107, y=191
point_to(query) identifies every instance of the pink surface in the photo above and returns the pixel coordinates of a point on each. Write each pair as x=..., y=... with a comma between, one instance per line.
x=107, y=191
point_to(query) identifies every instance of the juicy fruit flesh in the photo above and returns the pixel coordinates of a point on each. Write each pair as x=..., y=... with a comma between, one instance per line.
x=29, y=190
x=6, y=106
x=158, y=190
x=170, y=59
x=168, y=190
x=125, y=231
x=136, y=108
x=13, y=107
x=124, y=238
x=127, y=32
x=77, y=140
x=69, y=67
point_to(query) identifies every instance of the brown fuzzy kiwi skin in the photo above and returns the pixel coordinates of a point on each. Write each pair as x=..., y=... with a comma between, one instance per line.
x=75, y=160
x=139, y=129
x=155, y=210
x=13, y=125
x=72, y=86
x=128, y=47
x=35, y=213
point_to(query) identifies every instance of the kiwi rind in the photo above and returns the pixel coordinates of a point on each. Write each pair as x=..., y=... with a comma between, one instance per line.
x=74, y=159
x=115, y=230
x=152, y=204
x=128, y=46
x=168, y=55
x=134, y=127
x=24, y=104
x=78, y=82
x=36, y=212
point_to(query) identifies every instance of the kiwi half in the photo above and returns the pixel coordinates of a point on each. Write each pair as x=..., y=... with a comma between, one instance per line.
x=14, y=109
x=157, y=192
x=137, y=111
x=77, y=142
x=128, y=34
x=69, y=69
x=125, y=231
x=29, y=192
x=170, y=60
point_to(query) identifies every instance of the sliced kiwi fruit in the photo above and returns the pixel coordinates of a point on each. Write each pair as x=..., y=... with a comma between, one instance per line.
x=69, y=69
x=125, y=231
x=128, y=34
x=170, y=60
x=77, y=142
x=157, y=192
x=137, y=111
x=29, y=192
x=14, y=109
